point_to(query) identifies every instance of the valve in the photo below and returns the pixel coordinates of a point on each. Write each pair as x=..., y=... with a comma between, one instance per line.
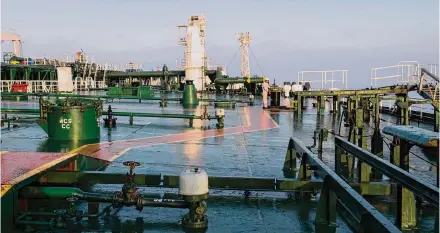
x=71, y=209
x=110, y=121
x=163, y=102
x=129, y=188
x=205, y=115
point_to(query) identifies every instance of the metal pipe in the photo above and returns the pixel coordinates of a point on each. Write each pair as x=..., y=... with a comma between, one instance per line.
x=225, y=100
x=21, y=111
x=65, y=192
x=134, y=114
x=140, y=114
x=15, y=119
x=237, y=80
x=49, y=223
x=145, y=74
x=85, y=96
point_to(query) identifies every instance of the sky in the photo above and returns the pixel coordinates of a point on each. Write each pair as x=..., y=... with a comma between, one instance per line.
x=288, y=36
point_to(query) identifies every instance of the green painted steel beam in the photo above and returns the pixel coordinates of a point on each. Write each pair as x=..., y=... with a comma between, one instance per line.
x=427, y=192
x=32, y=67
x=389, y=90
x=415, y=135
x=358, y=206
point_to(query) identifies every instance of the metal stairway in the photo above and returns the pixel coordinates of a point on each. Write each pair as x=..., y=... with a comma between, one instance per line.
x=428, y=87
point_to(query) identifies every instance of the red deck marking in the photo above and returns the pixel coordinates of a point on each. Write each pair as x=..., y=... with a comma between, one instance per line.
x=15, y=164
x=258, y=120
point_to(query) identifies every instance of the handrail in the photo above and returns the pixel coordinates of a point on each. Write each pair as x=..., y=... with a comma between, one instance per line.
x=359, y=206
x=430, y=74
x=428, y=192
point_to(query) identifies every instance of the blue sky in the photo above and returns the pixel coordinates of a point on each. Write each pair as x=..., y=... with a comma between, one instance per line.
x=289, y=36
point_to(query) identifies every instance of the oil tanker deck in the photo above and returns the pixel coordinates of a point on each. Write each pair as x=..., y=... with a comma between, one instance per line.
x=187, y=156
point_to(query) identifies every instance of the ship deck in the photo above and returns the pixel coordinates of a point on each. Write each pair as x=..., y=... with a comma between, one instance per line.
x=253, y=143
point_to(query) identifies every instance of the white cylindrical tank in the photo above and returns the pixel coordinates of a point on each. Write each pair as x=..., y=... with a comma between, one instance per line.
x=297, y=87
x=193, y=182
x=287, y=89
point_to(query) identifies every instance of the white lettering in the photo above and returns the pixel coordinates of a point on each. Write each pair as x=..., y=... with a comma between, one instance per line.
x=65, y=123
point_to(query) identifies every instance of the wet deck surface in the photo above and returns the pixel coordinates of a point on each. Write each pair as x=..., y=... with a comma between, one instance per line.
x=253, y=143
x=17, y=163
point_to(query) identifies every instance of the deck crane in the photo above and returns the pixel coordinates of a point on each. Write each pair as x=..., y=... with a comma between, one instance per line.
x=16, y=41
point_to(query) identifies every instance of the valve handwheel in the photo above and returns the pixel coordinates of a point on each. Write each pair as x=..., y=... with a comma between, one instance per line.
x=131, y=164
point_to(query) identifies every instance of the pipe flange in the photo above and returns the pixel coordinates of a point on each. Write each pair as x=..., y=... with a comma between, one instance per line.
x=117, y=196
x=194, y=198
x=139, y=202
x=194, y=227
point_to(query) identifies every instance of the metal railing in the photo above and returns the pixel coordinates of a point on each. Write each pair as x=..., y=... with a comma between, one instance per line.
x=326, y=76
x=367, y=217
x=427, y=192
x=33, y=86
x=405, y=72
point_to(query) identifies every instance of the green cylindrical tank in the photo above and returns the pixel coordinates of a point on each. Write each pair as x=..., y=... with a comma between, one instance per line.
x=114, y=91
x=190, y=94
x=73, y=121
x=145, y=92
x=127, y=91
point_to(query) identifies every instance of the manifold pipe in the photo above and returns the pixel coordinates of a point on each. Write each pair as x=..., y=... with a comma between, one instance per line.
x=33, y=192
